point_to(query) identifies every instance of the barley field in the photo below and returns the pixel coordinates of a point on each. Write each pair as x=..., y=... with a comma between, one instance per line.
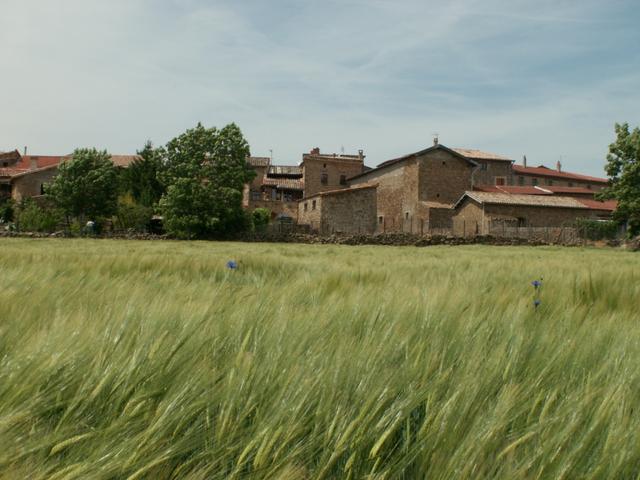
x=153, y=360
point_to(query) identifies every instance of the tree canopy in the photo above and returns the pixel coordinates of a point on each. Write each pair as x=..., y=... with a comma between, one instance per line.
x=623, y=169
x=205, y=173
x=142, y=177
x=86, y=186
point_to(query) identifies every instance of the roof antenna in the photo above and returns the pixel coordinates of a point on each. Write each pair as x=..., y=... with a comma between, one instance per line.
x=271, y=154
x=435, y=138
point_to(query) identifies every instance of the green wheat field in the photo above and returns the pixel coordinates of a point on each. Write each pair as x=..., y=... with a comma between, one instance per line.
x=152, y=360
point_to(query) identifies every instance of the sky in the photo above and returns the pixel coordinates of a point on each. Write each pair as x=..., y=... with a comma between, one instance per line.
x=546, y=79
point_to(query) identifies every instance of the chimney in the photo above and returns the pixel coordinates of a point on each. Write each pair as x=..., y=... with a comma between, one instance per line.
x=33, y=162
x=361, y=155
x=524, y=161
x=25, y=150
x=435, y=139
x=315, y=151
x=559, y=166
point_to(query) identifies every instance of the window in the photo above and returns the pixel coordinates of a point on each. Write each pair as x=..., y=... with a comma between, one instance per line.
x=444, y=163
x=313, y=205
x=324, y=178
x=287, y=197
x=255, y=195
x=501, y=181
x=306, y=206
x=571, y=184
x=484, y=167
x=324, y=166
x=522, y=222
x=520, y=180
x=406, y=215
x=534, y=181
x=274, y=194
x=549, y=182
x=42, y=189
x=380, y=220
x=343, y=179
x=5, y=164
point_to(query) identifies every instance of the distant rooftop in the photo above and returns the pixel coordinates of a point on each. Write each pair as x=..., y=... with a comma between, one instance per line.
x=543, y=171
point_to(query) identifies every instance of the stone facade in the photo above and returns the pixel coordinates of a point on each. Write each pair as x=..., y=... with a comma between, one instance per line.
x=493, y=172
x=474, y=218
x=323, y=173
x=348, y=211
x=31, y=183
x=416, y=193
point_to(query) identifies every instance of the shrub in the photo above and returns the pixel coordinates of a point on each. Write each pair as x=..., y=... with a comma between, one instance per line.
x=261, y=217
x=30, y=217
x=133, y=216
x=597, y=229
x=6, y=210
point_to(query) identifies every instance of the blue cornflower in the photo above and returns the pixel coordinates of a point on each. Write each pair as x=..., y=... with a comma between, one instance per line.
x=536, y=283
x=232, y=265
x=536, y=303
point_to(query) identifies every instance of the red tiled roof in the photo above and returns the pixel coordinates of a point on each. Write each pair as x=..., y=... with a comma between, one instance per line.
x=343, y=190
x=480, y=155
x=124, y=160
x=284, y=183
x=561, y=189
x=512, y=189
x=607, y=205
x=497, y=198
x=543, y=171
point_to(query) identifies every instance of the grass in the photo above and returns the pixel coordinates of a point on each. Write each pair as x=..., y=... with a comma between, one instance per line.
x=131, y=360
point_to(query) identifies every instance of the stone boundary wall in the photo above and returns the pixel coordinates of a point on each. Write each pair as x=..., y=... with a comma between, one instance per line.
x=391, y=239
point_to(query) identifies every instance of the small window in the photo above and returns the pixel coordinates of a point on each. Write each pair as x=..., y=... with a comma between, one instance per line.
x=406, y=215
x=287, y=197
x=306, y=206
x=343, y=179
x=313, y=205
x=324, y=178
x=484, y=167
x=437, y=195
x=5, y=164
x=444, y=163
x=571, y=184
x=255, y=195
x=324, y=166
x=549, y=182
x=520, y=180
x=380, y=220
x=500, y=181
x=42, y=189
x=534, y=181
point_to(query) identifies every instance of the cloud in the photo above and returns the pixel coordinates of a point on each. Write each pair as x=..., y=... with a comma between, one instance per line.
x=544, y=78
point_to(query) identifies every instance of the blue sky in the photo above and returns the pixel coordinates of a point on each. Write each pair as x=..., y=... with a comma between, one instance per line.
x=547, y=78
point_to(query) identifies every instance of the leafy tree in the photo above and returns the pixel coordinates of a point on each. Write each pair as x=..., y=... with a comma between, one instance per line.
x=205, y=174
x=30, y=217
x=86, y=186
x=261, y=218
x=142, y=177
x=623, y=169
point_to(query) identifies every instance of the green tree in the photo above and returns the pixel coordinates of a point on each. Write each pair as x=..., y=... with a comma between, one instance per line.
x=623, y=169
x=86, y=186
x=142, y=177
x=205, y=173
x=261, y=218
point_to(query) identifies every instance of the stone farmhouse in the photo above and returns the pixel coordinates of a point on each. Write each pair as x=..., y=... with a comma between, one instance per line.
x=23, y=176
x=438, y=189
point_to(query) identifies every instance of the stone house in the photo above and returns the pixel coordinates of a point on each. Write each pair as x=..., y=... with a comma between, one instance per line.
x=481, y=213
x=350, y=211
x=416, y=192
x=279, y=188
x=548, y=177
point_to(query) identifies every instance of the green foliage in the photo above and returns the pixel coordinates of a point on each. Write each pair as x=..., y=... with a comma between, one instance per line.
x=131, y=215
x=7, y=208
x=86, y=186
x=597, y=229
x=30, y=217
x=205, y=174
x=261, y=218
x=142, y=178
x=623, y=169
x=153, y=360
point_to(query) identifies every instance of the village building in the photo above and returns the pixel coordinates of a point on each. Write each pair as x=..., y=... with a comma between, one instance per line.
x=484, y=213
x=344, y=211
x=548, y=177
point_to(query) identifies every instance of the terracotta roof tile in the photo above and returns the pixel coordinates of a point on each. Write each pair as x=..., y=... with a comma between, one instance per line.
x=496, y=198
x=284, y=183
x=543, y=171
x=480, y=155
x=607, y=205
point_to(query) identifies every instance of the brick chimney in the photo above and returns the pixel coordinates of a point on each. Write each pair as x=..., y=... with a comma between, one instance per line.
x=315, y=151
x=524, y=161
x=361, y=155
x=435, y=139
x=559, y=166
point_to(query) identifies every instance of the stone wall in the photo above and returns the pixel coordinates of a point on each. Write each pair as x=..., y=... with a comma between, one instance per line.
x=443, y=177
x=30, y=184
x=489, y=170
x=314, y=166
x=309, y=212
